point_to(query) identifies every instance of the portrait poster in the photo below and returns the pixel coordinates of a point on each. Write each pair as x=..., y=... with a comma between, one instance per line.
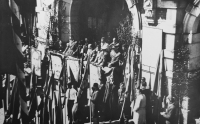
x=36, y=61
x=56, y=65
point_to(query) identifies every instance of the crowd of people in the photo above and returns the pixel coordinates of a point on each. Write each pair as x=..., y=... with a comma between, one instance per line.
x=100, y=53
x=109, y=99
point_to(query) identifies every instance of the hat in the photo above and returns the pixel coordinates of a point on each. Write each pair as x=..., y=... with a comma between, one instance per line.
x=171, y=99
x=104, y=47
x=89, y=46
x=143, y=78
x=95, y=85
x=115, y=46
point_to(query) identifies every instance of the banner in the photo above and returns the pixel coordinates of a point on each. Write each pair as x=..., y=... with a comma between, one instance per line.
x=95, y=74
x=41, y=47
x=56, y=64
x=36, y=61
x=74, y=66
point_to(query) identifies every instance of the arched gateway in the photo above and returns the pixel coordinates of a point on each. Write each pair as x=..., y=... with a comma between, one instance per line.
x=71, y=24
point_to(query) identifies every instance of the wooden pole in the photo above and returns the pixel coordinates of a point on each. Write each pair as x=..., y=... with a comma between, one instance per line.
x=89, y=90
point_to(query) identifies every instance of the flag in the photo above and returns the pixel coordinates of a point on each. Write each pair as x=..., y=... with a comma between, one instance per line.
x=33, y=106
x=9, y=52
x=139, y=72
x=132, y=69
x=71, y=77
x=64, y=77
x=46, y=82
x=59, y=114
x=127, y=75
x=13, y=111
x=33, y=81
x=7, y=85
x=159, y=77
x=84, y=81
x=158, y=89
x=50, y=99
x=17, y=44
x=1, y=89
x=33, y=94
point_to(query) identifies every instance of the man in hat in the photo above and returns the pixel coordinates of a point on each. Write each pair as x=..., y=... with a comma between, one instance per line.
x=94, y=102
x=169, y=116
x=95, y=53
x=143, y=83
x=123, y=104
x=115, y=55
x=89, y=51
x=72, y=48
x=59, y=46
x=103, y=57
x=114, y=42
x=147, y=92
x=103, y=43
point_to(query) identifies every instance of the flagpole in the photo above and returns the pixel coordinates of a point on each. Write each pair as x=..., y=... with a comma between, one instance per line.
x=90, y=90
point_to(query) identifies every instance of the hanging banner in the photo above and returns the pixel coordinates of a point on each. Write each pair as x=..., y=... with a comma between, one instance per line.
x=74, y=66
x=56, y=64
x=36, y=61
x=95, y=74
x=41, y=47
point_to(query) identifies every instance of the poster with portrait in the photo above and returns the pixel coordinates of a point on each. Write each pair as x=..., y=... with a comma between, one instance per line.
x=56, y=64
x=36, y=61
x=41, y=47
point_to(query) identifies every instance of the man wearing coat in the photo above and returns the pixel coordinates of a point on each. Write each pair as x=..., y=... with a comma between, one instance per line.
x=94, y=103
x=169, y=115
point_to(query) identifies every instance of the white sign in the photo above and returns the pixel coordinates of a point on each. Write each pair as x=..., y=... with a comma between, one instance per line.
x=36, y=61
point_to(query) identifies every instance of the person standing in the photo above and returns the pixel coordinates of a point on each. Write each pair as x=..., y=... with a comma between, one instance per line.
x=94, y=103
x=169, y=115
x=139, y=109
x=123, y=105
x=71, y=95
x=103, y=43
x=115, y=55
x=147, y=92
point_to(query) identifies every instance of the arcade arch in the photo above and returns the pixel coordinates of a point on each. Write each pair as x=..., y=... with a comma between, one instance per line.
x=71, y=24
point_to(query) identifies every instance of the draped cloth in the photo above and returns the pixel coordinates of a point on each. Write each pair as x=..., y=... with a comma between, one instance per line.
x=139, y=110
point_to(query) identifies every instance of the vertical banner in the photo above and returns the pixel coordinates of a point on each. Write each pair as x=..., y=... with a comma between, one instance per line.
x=56, y=64
x=36, y=61
x=74, y=66
x=95, y=74
x=41, y=47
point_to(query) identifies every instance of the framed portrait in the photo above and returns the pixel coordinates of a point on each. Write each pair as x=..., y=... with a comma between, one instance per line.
x=36, y=61
x=56, y=64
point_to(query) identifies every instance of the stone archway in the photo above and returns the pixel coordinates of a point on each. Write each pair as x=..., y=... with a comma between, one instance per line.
x=71, y=25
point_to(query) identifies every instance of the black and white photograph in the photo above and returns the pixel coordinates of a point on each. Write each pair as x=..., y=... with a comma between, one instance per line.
x=99, y=61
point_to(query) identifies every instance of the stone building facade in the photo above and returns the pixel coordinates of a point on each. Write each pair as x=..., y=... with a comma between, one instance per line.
x=168, y=24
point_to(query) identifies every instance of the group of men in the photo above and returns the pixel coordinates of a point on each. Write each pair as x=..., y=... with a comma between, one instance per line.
x=102, y=54
x=109, y=101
